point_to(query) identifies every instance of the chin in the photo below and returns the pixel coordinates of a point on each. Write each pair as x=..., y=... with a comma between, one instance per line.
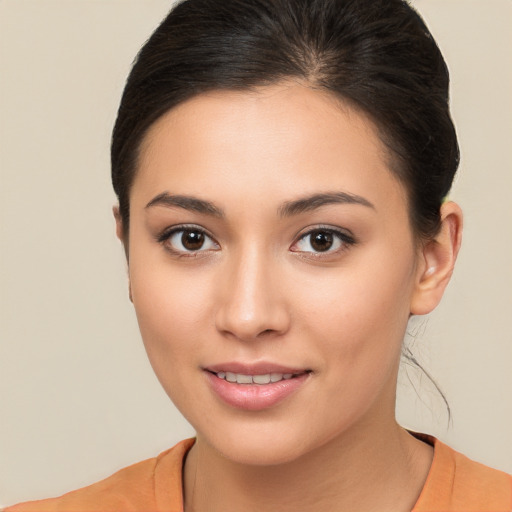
x=260, y=453
x=263, y=443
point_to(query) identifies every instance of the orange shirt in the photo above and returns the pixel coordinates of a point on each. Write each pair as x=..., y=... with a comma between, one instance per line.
x=454, y=484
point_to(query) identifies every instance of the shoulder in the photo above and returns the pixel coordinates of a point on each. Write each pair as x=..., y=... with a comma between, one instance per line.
x=149, y=485
x=458, y=484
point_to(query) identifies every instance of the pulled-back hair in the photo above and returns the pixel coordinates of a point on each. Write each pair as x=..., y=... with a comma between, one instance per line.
x=377, y=55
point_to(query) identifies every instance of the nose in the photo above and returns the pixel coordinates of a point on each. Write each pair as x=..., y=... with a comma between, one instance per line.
x=251, y=305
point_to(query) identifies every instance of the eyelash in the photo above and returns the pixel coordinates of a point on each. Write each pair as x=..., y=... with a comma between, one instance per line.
x=165, y=237
x=343, y=238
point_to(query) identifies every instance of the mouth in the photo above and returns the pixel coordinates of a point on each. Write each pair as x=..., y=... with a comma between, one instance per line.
x=255, y=387
x=260, y=379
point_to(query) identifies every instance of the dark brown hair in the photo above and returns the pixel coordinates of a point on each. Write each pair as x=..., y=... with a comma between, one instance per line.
x=376, y=54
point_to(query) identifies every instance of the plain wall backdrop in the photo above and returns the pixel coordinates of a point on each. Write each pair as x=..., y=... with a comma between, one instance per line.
x=78, y=399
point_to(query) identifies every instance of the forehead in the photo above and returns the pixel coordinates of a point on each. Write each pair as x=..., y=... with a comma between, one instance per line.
x=288, y=137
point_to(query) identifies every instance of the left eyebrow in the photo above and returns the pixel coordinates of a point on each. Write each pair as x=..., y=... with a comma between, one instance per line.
x=187, y=203
x=315, y=201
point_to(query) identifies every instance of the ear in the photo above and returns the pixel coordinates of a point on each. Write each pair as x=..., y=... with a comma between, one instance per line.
x=436, y=261
x=119, y=223
x=120, y=235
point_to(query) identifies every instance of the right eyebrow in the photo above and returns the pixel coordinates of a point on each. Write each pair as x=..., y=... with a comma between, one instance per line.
x=187, y=203
x=315, y=201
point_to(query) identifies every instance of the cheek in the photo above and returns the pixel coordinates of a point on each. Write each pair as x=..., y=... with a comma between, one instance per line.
x=360, y=313
x=172, y=310
x=358, y=328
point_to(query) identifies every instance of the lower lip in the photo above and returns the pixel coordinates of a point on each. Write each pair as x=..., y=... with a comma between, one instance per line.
x=255, y=397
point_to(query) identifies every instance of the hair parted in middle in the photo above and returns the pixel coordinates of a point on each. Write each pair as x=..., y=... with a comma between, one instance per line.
x=376, y=55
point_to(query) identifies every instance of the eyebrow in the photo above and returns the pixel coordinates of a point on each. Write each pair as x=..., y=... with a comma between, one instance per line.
x=288, y=209
x=186, y=202
x=315, y=201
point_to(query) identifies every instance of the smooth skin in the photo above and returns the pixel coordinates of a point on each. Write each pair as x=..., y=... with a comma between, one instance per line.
x=252, y=284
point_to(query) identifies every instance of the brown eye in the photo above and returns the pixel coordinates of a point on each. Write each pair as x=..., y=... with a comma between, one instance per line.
x=188, y=240
x=321, y=240
x=192, y=240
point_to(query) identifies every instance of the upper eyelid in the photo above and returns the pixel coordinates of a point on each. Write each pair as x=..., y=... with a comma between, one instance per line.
x=345, y=233
x=167, y=232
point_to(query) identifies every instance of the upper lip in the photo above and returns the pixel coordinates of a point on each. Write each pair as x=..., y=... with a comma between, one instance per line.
x=260, y=368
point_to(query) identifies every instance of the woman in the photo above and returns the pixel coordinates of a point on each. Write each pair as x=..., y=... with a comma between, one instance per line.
x=282, y=169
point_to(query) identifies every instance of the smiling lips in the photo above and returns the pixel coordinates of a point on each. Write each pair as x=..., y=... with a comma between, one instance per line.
x=266, y=378
x=254, y=388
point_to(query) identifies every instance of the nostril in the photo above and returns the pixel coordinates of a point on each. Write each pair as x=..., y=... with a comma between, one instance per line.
x=251, y=315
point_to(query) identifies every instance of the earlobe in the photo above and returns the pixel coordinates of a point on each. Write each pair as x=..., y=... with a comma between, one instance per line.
x=437, y=261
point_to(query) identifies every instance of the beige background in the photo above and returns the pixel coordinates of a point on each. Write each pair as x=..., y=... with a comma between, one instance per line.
x=78, y=399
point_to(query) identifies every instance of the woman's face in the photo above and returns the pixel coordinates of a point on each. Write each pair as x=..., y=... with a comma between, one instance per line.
x=268, y=239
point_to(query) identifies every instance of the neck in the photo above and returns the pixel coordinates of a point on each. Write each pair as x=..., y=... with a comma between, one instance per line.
x=359, y=471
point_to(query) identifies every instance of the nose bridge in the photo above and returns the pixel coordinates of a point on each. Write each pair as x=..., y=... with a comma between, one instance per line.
x=251, y=304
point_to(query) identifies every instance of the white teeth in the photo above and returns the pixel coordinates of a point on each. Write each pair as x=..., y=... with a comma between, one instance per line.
x=266, y=378
x=261, y=379
x=230, y=377
x=244, y=379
